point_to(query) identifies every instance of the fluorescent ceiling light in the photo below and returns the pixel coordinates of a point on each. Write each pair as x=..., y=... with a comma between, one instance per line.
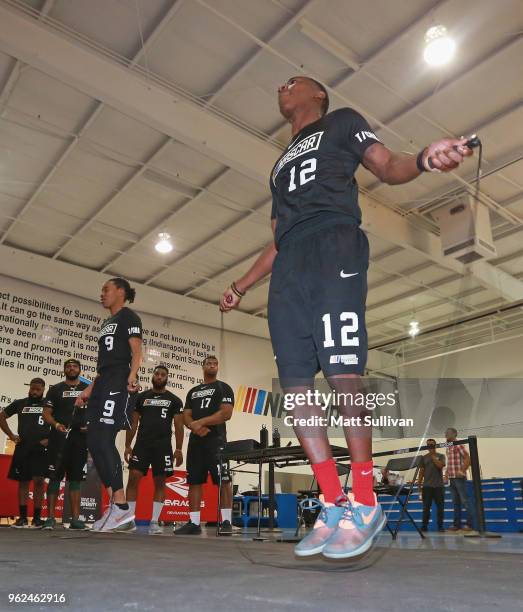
x=413, y=328
x=439, y=47
x=164, y=244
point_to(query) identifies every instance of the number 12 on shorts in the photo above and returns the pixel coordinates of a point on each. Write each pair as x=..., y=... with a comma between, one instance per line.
x=346, y=330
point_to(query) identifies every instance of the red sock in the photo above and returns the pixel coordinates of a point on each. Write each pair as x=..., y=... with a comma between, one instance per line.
x=362, y=483
x=328, y=480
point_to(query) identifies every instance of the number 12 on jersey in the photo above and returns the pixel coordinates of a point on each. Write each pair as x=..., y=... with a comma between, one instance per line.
x=351, y=328
x=307, y=169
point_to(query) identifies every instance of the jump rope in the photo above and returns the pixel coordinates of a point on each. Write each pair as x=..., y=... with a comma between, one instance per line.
x=375, y=553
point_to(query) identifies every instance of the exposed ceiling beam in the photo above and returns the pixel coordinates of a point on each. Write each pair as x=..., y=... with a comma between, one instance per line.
x=247, y=63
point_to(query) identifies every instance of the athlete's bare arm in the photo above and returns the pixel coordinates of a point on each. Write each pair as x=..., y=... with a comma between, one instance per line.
x=396, y=168
x=260, y=268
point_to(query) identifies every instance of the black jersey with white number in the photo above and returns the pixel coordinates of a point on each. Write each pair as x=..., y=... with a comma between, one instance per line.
x=206, y=399
x=113, y=342
x=157, y=411
x=31, y=424
x=61, y=399
x=313, y=181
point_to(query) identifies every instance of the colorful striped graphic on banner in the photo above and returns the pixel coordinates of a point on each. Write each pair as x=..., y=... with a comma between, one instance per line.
x=258, y=402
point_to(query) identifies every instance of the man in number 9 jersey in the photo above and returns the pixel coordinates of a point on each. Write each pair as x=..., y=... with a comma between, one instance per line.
x=111, y=396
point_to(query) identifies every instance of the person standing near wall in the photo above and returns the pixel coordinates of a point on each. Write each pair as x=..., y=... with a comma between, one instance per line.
x=207, y=408
x=458, y=462
x=30, y=457
x=430, y=481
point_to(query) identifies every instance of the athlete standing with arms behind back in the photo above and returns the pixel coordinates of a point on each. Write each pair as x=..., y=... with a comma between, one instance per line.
x=318, y=289
x=109, y=396
x=156, y=409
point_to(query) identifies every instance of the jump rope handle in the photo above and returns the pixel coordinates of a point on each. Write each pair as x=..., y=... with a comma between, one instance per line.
x=471, y=143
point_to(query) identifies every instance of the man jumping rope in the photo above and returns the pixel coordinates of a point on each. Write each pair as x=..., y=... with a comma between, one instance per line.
x=318, y=289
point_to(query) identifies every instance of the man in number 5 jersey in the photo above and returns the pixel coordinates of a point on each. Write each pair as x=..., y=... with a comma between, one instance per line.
x=318, y=289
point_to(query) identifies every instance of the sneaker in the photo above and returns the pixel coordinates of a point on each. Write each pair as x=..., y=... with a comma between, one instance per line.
x=325, y=525
x=128, y=526
x=357, y=529
x=20, y=523
x=97, y=525
x=119, y=520
x=188, y=529
x=467, y=529
x=49, y=524
x=225, y=528
x=77, y=524
x=441, y=529
x=154, y=528
x=37, y=523
x=454, y=528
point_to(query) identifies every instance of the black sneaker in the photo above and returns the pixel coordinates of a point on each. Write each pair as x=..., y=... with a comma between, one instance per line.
x=20, y=523
x=37, y=523
x=441, y=529
x=188, y=529
x=226, y=528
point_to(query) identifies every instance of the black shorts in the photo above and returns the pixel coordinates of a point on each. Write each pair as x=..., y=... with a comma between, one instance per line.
x=30, y=460
x=159, y=456
x=202, y=459
x=110, y=404
x=68, y=456
x=317, y=301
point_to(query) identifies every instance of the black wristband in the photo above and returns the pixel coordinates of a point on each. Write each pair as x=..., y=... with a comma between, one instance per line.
x=235, y=289
x=419, y=161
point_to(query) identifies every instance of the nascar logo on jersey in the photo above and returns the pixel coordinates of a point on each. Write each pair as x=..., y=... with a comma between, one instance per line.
x=157, y=402
x=71, y=393
x=33, y=410
x=109, y=329
x=305, y=145
x=203, y=393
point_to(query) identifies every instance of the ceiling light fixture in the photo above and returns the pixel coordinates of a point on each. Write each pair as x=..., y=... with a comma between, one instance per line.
x=164, y=244
x=413, y=328
x=439, y=47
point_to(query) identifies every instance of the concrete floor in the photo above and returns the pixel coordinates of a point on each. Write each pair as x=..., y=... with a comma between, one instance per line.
x=141, y=572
